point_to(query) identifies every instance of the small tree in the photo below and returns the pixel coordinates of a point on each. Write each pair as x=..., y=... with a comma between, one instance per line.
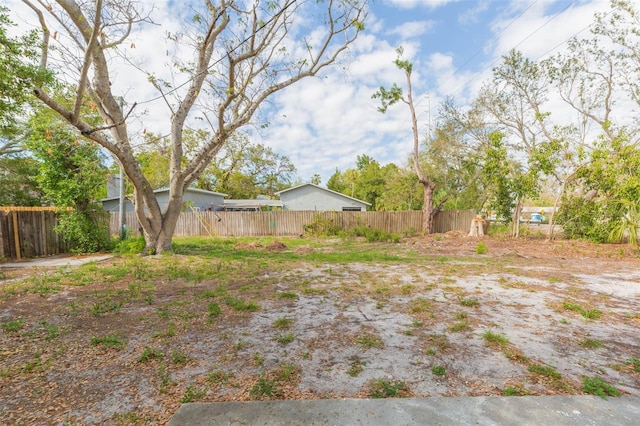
x=391, y=96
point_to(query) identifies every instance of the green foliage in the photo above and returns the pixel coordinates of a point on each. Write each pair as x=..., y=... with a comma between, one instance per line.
x=611, y=213
x=545, y=370
x=596, y=386
x=382, y=388
x=241, y=305
x=322, y=227
x=19, y=73
x=193, y=394
x=13, y=325
x=495, y=338
x=265, y=387
x=85, y=231
x=438, y=370
x=111, y=342
x=481, y=248
x=150, y=353
x=214, y=309
x=132, y=245
x=635, y=363
x=284, y=338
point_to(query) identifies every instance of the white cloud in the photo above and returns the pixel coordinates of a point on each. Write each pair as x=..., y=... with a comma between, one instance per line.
x=412, y=29
x=411, y=4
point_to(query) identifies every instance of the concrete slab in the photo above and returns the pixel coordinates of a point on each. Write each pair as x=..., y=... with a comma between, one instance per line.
x=541, y=410
x=53, y=262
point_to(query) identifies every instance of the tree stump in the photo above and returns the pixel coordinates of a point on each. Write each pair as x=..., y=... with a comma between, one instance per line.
x=479, y=227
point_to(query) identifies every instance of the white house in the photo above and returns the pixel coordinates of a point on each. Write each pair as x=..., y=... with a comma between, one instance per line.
x=312, y=197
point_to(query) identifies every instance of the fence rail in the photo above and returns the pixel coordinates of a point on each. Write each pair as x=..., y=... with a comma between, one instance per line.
x=29, y=232
x=291, y=223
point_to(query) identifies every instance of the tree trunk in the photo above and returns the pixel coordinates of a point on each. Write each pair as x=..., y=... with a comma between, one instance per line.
x=515, y=227
x=427, y=206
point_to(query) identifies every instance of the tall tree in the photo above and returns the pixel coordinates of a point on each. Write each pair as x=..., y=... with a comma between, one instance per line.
x=391, y=96
x=242, y=55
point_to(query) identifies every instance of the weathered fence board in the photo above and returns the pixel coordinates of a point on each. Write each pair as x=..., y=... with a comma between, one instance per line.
x=29, y=232
x=291, y=223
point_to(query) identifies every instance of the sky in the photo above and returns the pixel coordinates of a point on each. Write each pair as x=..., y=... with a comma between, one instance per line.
x=323, y=123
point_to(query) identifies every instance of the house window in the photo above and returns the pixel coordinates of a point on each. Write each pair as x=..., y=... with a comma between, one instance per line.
x=351, y=209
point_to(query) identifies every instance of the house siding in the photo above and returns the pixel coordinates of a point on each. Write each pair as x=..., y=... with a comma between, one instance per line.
x=313, y=198
x=201, y=200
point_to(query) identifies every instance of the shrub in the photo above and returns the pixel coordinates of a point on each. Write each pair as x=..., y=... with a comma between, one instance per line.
x=322, y=227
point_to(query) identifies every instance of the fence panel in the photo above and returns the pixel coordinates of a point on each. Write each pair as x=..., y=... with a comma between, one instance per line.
x=29, y=232
x=291, y=223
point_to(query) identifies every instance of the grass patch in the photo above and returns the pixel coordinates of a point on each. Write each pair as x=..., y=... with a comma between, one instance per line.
x=633, y=362
x=382, y=388
x=438, y=370
x=459, y=326
x=369, y=340
x=517, y=390
x=590, y=314
x=356, y=367
x=287, y=295
x=419, y=305
x=265, y=387
x=240, y=305
x=150, y=353
x=105, y=306
x=12, y=326
x=218, y=377
x=194, y=394
x=284, y=338
x=591, y=343
x=283, y=323
x=596, y=386
x=109, y=342
x=544, y=370
x=213, y=309
x=495, y=339
x=471, y=303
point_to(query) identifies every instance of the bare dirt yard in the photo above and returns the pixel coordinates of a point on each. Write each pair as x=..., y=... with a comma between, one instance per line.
x=127, y=340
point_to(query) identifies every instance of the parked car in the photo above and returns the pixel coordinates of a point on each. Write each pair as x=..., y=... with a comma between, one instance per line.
x=535, y=218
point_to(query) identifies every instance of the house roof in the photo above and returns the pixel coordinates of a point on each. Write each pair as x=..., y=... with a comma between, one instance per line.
x=259, y=202
x=323, y=189
x=166, y=189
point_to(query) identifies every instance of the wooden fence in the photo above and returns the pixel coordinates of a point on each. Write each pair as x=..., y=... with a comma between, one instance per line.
x=291, y=223
x=29, y=232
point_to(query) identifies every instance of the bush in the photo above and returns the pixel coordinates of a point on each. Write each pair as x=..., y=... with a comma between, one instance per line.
x=85, y=231
x=130, y=246
x=322, y=227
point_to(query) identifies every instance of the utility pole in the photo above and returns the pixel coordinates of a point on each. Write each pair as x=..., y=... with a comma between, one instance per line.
x=121, y=221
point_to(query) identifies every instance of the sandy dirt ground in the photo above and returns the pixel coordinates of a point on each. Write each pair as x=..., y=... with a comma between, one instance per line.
x=527, y=317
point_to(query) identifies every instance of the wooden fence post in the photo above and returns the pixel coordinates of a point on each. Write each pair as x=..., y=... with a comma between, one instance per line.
x=16, y=234
x=1, y=237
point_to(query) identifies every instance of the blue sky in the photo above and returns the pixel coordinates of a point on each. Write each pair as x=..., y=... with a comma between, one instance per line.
x=324, y=123
x=453, y=46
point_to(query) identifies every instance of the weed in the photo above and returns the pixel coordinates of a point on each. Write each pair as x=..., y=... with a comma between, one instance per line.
x=12, y=326
x=356, y=367
x=178, y=357
x=214, y=309
x=104, y=306
x=110, y=342
x=495, y=338
x=149, y=354
x=515, y=391
x=591, y=343
x=284, y=339
x=265, y=387
x=460, y=315
x=218, y=377
x=635, y=362
x=287, y=373
x=193, y=394
x=283, y=323
x=481, y=248
x=241, y=305
x=163, y=375
x=438, y=370
x=596, y=386
x=441, y=341
x=591, y=313
x=240, y=344
x=431, y=351
x=469, y=302
x=381, y=388
x=33, y=365
x=169, y=332
x=460, y=326
x=287, y=295
x=544, y=370
x=419, y=305
x=369, y=340
x=258, y=359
